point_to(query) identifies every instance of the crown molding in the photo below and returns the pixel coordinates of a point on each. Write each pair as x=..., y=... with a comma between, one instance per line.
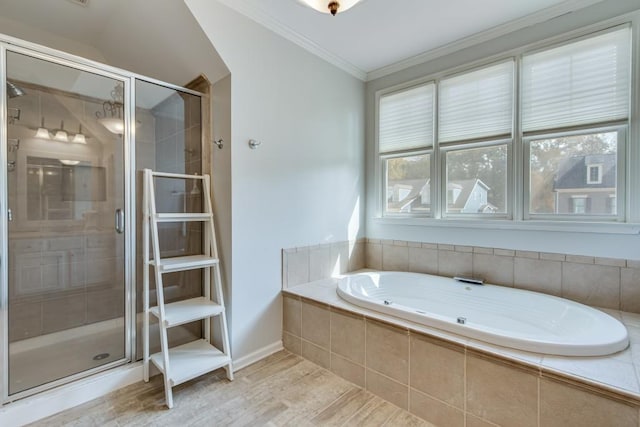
x=483, y=36
x=269, y=22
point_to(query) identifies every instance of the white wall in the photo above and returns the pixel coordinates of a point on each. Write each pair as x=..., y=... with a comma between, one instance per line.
x=304, y=185
x=594, y=244
x=221, y=182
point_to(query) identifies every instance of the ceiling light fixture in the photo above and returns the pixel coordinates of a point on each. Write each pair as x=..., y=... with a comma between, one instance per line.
x=111, y=115
x=331, y=6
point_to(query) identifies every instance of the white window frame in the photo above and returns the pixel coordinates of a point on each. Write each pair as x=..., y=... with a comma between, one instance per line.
x=508, y=214
x=381, y=171
x=627, y=204
x=621, y=174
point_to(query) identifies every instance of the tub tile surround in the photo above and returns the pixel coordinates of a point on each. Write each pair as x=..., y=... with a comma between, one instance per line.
x=602, y=282
x=450, y=380
x=311, y=263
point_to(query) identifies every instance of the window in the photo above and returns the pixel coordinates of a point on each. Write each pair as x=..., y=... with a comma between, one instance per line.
x=594, y=174
x=456, y=159
x=405, y=144
x=475, y=119
x=579, y=204
x=582, y=85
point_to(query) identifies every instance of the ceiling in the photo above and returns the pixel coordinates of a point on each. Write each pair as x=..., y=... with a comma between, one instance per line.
x=376, y=34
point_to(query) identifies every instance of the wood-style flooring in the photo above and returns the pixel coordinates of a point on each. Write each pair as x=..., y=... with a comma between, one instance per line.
x=281, y=390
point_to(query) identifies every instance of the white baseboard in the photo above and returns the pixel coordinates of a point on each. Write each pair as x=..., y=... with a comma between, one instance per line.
x=257, y=355
x=51, y=402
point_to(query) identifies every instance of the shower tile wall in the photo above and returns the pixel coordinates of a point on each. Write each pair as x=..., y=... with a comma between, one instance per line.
x=64, y=276
x=168, y=139
x=602, y=282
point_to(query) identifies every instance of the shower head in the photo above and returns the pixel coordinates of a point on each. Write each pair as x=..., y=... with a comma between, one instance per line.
x=14, y=91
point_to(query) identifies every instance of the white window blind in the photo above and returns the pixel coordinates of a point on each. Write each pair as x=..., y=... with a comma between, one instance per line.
x=406, y=119
x=477, y=104
x=578, y=83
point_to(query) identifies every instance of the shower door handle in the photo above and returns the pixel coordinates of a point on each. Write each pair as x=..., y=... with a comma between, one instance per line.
x=119, y=221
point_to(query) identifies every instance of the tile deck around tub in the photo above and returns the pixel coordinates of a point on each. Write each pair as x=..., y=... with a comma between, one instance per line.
x=618, y=373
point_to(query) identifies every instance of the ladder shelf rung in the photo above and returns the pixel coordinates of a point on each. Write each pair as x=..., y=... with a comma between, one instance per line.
x=191, y=360
x=176, y=175
x=181, y=312
x=183, y=263
x=183, y=217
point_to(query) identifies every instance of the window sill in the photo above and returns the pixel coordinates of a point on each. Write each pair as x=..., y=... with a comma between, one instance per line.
x=498, y=224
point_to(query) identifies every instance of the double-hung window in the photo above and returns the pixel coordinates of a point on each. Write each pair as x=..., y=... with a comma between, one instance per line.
x=575, y=112
x=477, y=145
x=405, y=144
x=475, y=136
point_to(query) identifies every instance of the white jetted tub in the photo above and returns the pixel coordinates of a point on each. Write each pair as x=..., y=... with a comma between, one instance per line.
x=499, y=315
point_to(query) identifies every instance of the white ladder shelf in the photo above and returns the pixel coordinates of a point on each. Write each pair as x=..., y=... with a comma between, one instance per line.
x=187, y=361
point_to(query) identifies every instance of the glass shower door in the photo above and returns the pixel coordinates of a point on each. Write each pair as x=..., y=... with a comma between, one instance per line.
x=66, y=232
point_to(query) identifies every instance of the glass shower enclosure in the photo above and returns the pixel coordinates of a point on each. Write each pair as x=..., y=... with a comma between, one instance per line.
x=75, y=137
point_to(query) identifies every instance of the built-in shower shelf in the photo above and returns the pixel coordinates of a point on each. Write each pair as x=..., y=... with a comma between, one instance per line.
x=181, y=312
x=183, y=263
x=182, y=217
x=191, y=360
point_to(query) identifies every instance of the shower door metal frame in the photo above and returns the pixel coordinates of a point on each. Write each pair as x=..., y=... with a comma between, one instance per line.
x=39, y=52
x=12, y=44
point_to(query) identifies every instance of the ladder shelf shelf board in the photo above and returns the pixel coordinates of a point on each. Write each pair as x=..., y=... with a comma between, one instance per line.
x=187, y=361
x=191, y=360
x=183, y=263
x=187, y=311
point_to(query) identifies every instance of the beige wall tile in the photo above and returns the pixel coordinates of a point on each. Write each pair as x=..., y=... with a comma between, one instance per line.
x=315, y=323
x=615, y=262
x=340, y=257
x=497, y=270
x=348, y=370
x=481, y=250
x=504, y=252
x=430, y=245
x=591, y=284
x=552, y=256
x=500, y=393
x=297, y=268
x=528, y=254
x=454, y=263
x=357, y=256
x=373, y=256
x=387, y=350
x=580, y=259
x=386, y=388
x=347, y=335
x=395, y=258
x=565, y=406
x=423, y=260
x=464, y=248
x=434, y=411
x=437, y=369
x=538, y=275
x=320, y=263
x=292, y=343
x=291, y=314
x=316, y=354
x=630, y=290
x=444, y=247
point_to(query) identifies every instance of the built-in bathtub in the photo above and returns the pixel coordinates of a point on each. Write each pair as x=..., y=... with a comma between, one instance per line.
x=499, y=315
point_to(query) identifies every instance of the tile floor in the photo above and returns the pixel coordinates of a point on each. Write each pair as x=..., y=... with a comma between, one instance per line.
x=283, y=389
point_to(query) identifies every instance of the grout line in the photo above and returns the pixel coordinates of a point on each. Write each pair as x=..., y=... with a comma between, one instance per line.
x=464, y=386
x=539, y=409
